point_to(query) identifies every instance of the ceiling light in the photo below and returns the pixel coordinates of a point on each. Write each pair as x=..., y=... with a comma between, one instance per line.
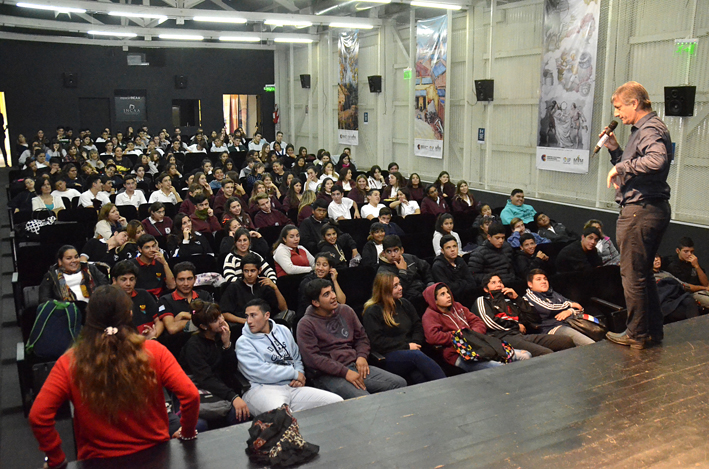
x=182, y=37
x=446, y=6
x=111, y=33
x=351, y=26
x=51, y=8
x=240, y=38
x=218, y=19
x=295, y=40
x=298, y=24
x=138, y=15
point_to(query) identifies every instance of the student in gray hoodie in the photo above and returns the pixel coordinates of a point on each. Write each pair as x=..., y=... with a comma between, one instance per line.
x=269, y=358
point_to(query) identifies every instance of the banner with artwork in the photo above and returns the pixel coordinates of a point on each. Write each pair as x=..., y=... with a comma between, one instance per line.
x=347, y=93
x=567, y=84
x=430, y=92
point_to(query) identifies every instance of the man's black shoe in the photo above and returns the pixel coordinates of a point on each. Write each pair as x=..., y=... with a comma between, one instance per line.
x=623, y=339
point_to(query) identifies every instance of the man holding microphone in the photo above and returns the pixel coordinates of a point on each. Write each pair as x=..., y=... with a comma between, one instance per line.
x=639, y=176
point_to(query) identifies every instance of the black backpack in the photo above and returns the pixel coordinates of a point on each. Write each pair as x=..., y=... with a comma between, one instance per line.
x=55, y=329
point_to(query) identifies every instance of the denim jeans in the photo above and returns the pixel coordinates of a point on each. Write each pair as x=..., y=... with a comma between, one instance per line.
x=414, y=365
x=639, y=231
x=377, y=381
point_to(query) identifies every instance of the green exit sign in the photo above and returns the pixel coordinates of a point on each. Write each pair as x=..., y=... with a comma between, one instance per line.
x=270, y=88
x=686, y=46
x=407, y=74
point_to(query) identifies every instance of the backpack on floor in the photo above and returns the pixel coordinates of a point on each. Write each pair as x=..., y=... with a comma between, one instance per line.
x=55, y=329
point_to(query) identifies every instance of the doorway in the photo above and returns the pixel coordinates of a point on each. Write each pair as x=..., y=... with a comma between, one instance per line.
x=5, y=141
x=242, y=110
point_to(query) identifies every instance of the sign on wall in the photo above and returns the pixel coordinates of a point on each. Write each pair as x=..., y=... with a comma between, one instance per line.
x=347, y=92
x=131, y=107
x=430, y=88
x=567, y=83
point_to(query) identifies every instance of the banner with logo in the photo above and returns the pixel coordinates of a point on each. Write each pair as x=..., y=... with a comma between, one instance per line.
x=347, y=93
x=568, y=80
x=130, y=108
x=430, y=92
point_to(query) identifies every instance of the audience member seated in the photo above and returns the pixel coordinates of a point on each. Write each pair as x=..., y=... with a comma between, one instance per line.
x=685, y=267
x=267, y=216
x=146, y=317
x=70, y=279
x=373, y=247
x=371, y=209
x=445, y=187
x=109, y=221
x=553, y=308
x=517, y=208
x=390, y=227
x=23, y=201
x=445, y=316
x=463, y=201
x=485, y=211
x=311, y=227
x=324, y=269
x=129, y=249
x=210, y=361
x=528, y=258
x=339, y=208
x=444, y=226
x=580, y=256
x=255, y=243
x=390, y=192
x=359, y=191
x=450, y=268
x=155, y=275
x=233, y=210
x=393, y=167
x=60, y=190
x=166, y=192
x=676, y=300
x=186, y=241
x=345, y=179
x=508, y=317
x=228, y=190
x=394, y=329
x=114, y=378
x=290, y=257
x=404, y=205
x=335, y=347
x=157, y=224
x=188, y=205
x=203, y=219
x=433, y=203
x=414, y=273
x=176, y=308
x=131, y=196
x=376, y=180
x=94, y=192
x=518, y=229
x=340, y=246
x=494, y=256
x=104, y=251
x=553, y=231
x=44, y=200
x=251, y=284
x=345, y=163
x=608, y=252
x=270, y=359
x=415, y=187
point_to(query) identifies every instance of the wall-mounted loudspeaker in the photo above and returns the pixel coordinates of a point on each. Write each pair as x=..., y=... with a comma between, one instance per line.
x=375, y=84
x=679, y=100
x=485, y=90
x=305, y=81
x=71, y=79
x=180, y=82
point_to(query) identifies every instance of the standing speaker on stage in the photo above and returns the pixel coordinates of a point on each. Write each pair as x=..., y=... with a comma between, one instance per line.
x=639, y=176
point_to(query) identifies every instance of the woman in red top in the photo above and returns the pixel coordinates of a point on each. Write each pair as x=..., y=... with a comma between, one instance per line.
x=291, y=258
x=114, y=377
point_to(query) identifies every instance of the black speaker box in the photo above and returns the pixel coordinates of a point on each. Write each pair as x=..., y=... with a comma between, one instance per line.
x=485, y=90
x=180, y=82
x=305, y=81
x=375, y=83
x=71, y=79
x=679, y=100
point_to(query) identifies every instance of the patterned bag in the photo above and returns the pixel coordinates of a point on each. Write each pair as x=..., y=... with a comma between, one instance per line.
x=473, y=346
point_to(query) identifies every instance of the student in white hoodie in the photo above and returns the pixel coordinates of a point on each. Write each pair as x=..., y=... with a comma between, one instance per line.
x=269, y=358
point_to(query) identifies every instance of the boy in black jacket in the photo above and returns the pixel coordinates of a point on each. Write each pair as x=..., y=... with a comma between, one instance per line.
x=507, y=317
x=451, y=269
x=414, y=273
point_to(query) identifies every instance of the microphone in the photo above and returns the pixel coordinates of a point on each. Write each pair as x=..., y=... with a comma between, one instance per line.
x=604, y=136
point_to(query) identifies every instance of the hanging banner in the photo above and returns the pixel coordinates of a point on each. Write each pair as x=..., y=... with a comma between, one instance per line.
x=347, y=93
x=430, y=92
x=568, y=81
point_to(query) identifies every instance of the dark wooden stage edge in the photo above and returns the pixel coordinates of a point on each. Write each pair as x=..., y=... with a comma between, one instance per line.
x=602, y=405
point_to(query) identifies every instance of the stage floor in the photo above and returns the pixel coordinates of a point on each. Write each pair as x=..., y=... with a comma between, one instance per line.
x=602, y=405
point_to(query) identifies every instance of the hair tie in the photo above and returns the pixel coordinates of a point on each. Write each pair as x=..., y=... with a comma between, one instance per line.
x=111, y=330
